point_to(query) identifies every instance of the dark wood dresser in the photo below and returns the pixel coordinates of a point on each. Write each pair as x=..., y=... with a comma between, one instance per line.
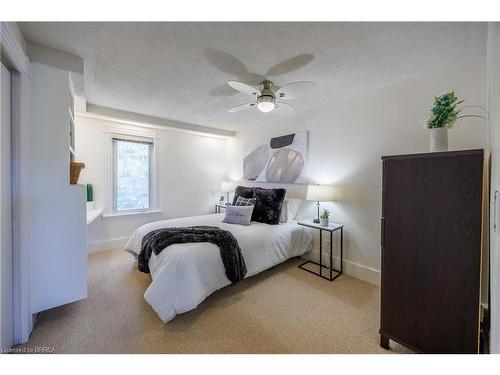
x=432, y=233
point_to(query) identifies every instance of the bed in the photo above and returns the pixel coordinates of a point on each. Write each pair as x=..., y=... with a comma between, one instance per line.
x=185, y=274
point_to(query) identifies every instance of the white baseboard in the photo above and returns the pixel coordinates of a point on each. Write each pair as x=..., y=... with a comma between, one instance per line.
x=115, y=243
x=358, y=271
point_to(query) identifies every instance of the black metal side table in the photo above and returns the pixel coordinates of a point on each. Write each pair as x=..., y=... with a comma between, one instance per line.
x=219, y=207
x=330, y=228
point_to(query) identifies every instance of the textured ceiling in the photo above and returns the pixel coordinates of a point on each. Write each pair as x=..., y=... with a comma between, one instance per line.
x=178, y=70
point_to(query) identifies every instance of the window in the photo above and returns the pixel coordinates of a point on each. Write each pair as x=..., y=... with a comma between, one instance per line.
x=132, y=174
x=131, y=171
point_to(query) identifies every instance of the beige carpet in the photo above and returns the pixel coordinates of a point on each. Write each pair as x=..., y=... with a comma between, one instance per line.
x=282, y=310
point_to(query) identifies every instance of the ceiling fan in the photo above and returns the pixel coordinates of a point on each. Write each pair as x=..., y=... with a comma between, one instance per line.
x=268, y=99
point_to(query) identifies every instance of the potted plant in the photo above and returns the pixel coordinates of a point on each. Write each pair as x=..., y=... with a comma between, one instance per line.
x=324, y=218
x=90, y=197
x=444, y=114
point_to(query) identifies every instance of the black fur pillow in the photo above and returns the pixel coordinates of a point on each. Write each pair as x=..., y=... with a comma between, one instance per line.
x=242, y=191
x=269, y=202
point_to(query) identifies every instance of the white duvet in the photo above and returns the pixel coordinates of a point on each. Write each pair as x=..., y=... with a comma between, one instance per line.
x=185, y=274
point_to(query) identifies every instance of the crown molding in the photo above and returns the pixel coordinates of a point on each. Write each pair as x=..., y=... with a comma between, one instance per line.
x=137, y=119
x=14, y=47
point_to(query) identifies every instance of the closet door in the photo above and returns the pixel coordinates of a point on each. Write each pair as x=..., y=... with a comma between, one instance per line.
x=432, y=251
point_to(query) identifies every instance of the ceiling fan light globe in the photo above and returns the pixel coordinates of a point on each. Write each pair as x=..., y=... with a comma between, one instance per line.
x=265, y=106
x=265, y=103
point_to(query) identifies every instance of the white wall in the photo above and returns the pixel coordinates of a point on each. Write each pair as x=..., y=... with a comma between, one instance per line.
x=348, y=137
x=191, y=169
x=494, y=143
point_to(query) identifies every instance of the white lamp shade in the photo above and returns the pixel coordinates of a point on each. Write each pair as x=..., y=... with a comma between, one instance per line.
x=320, y=193
x=227, y=187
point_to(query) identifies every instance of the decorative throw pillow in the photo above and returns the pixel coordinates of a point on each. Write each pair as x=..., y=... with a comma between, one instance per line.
x=241, y=215
x=268, y=203
x=245, y=201
x=268, y=206
x=242, y=191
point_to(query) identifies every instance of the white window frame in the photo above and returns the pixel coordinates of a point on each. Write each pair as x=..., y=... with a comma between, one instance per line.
x=133, y=135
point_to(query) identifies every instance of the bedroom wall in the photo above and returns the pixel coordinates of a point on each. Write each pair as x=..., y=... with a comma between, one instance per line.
x=191, y=169
x=348, y=137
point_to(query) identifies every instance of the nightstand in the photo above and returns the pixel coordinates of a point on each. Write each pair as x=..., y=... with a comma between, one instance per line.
x=330, y=228
x=219, y=207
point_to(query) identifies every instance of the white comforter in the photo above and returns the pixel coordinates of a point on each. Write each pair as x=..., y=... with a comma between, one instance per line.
x=185, y=274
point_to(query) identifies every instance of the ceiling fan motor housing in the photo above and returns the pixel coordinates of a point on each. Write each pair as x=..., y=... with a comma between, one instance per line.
x=266, y=88
x=266, y=101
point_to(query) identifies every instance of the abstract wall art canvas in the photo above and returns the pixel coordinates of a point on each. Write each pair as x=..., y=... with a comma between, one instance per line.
x=280, y=159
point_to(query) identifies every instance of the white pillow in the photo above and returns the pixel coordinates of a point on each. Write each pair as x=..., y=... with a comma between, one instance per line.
x=241, y=215
x=289, y=210
x=284, y=212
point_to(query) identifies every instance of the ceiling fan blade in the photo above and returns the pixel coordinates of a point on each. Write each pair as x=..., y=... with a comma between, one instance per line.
x=252, y=79
x=284, y=109
x=241, y=107
x=225, y=62
x=289, y=65
x=244, y=88
x=221, y=91
x=294, y=90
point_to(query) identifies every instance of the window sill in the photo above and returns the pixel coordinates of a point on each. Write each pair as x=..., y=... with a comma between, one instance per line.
x=136, y=213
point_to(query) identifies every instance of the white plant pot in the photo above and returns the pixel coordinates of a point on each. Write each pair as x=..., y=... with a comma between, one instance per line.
x=90, y=206
x=324, y=222
x=439, y=139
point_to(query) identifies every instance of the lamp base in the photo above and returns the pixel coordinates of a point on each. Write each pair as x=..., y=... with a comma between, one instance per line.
x=316, y=220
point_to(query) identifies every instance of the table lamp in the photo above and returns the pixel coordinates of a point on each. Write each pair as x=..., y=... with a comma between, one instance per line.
x=227, y=187
x=319, y=193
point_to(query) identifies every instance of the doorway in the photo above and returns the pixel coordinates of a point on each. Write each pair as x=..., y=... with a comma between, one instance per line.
x=6, y=306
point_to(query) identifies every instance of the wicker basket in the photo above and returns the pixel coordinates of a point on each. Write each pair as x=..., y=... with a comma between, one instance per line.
x=74, y=172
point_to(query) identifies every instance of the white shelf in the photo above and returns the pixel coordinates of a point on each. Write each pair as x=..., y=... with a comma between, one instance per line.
x=92, y=215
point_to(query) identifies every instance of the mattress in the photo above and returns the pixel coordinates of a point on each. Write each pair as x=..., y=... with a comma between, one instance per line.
x=183, y=275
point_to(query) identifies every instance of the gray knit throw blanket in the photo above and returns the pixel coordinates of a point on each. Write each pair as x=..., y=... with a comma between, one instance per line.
x=158, y=240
